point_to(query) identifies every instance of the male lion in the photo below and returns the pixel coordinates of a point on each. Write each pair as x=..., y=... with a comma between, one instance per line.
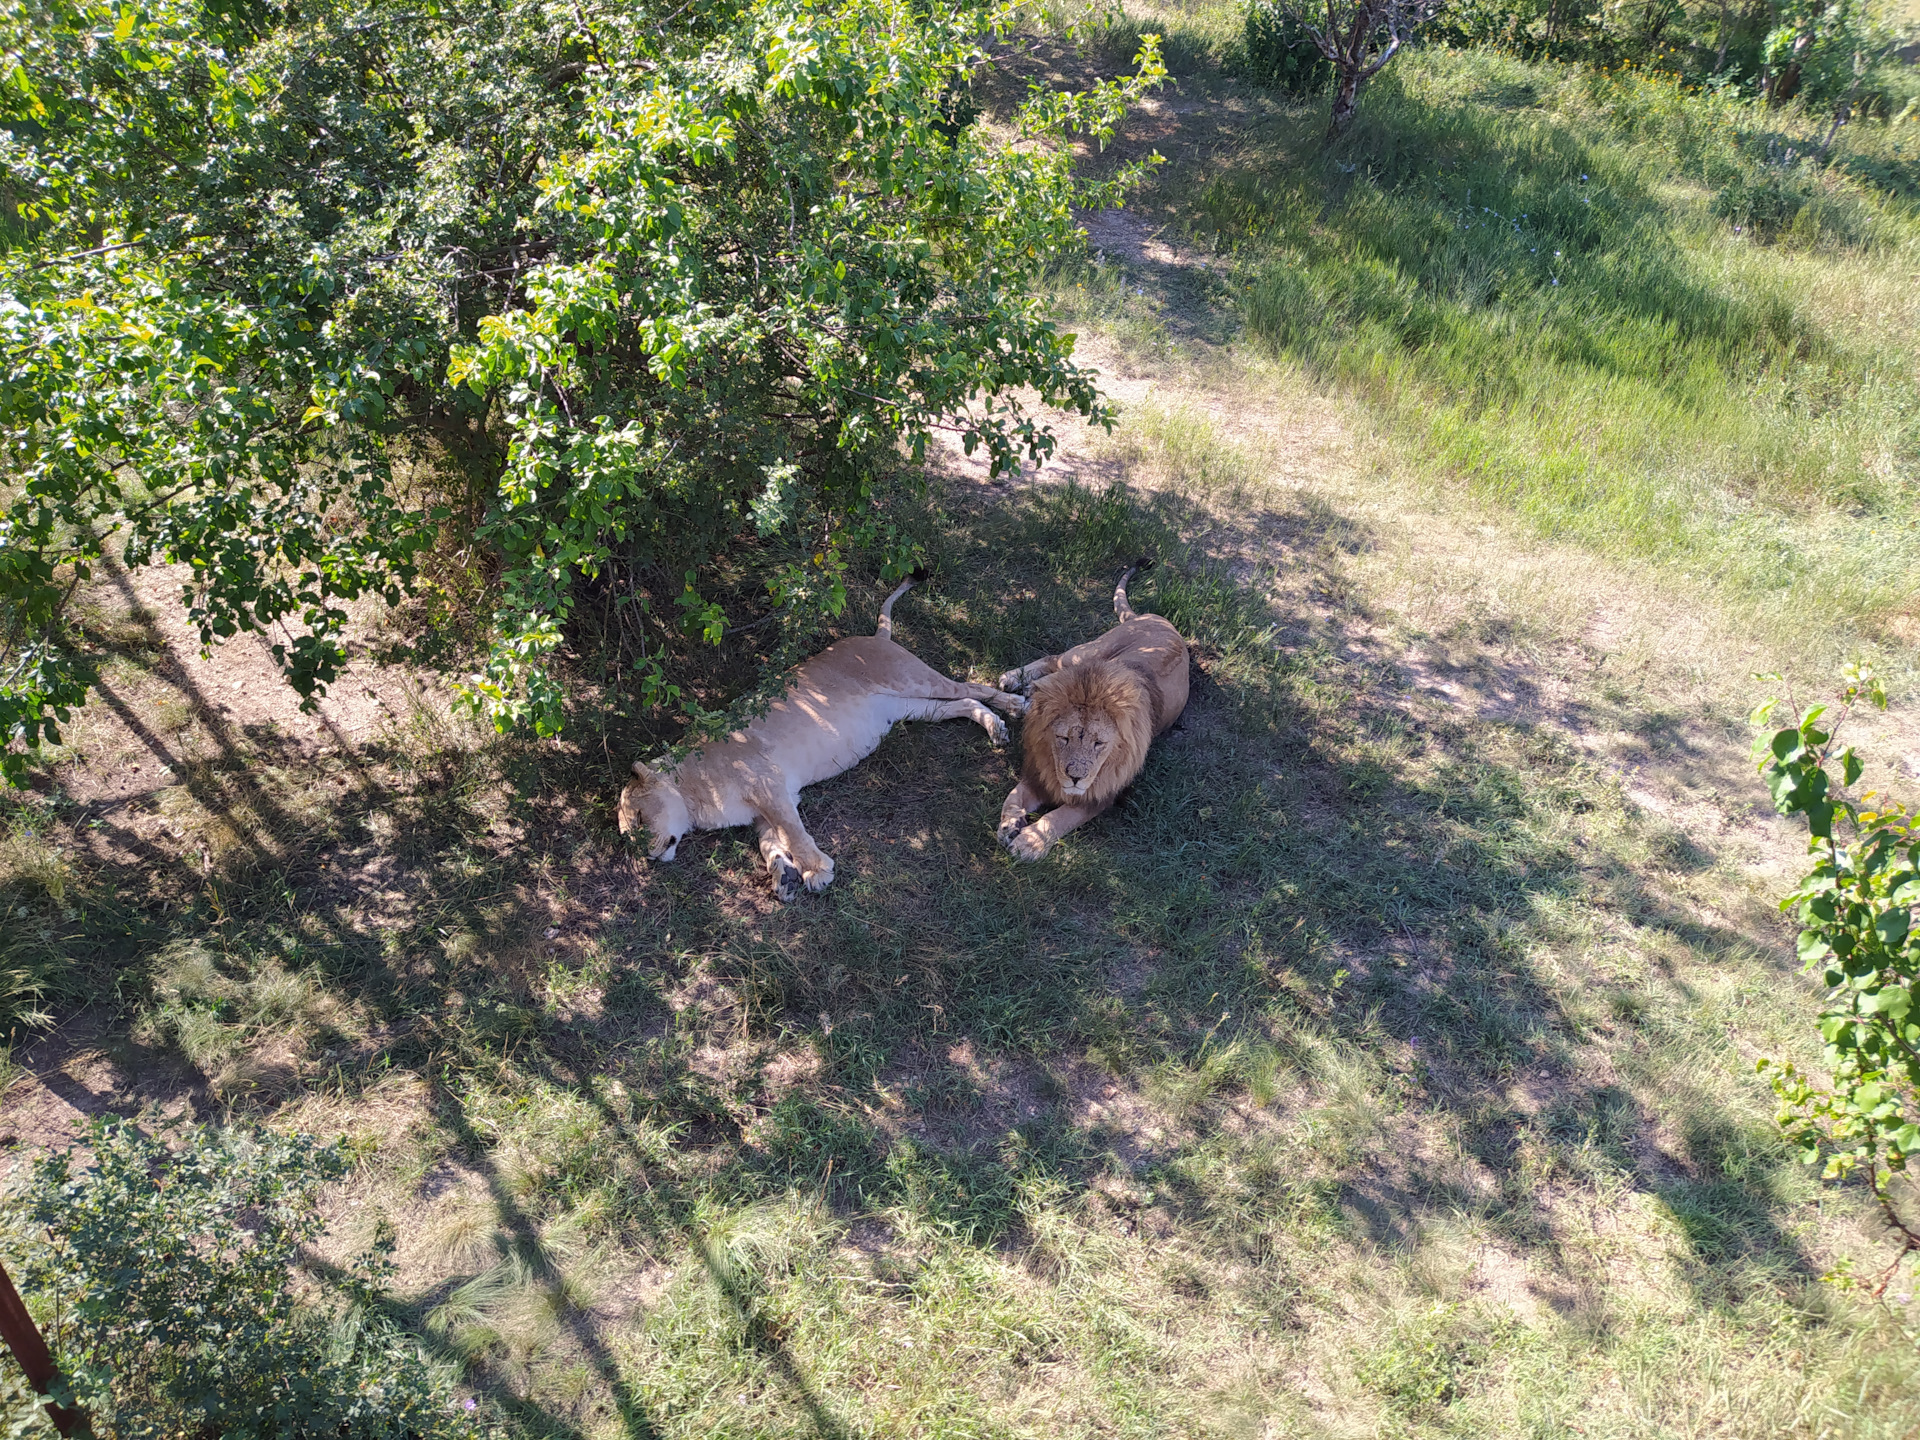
x=837, y=708
x=1091, y=713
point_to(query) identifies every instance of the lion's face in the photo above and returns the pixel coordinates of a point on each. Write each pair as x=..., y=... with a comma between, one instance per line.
x=653, y=804
x=1084, y=738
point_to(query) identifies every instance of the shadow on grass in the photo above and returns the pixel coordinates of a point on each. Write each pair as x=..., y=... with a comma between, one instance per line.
x=1302, y=858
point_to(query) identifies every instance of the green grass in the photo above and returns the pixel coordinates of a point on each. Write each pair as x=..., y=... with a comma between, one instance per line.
x=1377, y=1067
x=1244, y=1085
x=1642, y=320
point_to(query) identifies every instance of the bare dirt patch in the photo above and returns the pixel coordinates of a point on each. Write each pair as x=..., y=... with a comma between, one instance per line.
x=175, y=704
x=87, y=1067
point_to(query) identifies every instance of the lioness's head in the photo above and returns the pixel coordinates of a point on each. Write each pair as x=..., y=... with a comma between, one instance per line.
x=1087, y=732
x=653, y=803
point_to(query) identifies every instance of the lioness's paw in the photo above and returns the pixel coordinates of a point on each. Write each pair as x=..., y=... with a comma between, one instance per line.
x=787, y=880
x=1013, y=681
x=997, y=731
x=1029, y=844
x=818, y=880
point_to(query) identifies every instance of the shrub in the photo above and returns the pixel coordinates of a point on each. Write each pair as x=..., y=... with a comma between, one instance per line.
x=1765, y=201
x=1855, y=907
x=645, y=307
x=1355, y=39
x=162, y=1272
x=1279, y=53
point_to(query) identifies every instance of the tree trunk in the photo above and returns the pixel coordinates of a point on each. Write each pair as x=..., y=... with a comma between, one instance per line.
x=1346, y=100
x=1787, y=80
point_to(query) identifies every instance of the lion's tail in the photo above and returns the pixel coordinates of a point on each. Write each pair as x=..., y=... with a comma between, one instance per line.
x=1121, y=606
x=885, y=628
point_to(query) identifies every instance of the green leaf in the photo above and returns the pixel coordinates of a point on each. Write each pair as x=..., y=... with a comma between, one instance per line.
x=1820, y=818
x=1784, y=785
x=1892, y=927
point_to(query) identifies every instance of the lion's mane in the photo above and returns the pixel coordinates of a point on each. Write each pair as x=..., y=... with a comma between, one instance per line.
x=1123, y=692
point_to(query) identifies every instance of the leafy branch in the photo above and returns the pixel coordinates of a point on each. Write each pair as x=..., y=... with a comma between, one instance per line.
x=1855, y=907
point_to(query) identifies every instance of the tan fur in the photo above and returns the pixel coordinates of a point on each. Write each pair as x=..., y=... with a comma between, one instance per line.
x=1092, y=713
x=1076, y=700
x=837, y=708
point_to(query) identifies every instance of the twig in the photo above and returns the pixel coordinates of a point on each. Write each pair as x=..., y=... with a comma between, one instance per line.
x=97, y=250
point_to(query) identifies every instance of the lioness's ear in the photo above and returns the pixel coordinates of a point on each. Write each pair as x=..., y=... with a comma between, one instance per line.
x=643, y=775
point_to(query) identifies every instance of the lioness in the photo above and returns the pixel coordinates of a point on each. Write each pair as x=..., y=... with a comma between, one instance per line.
x=837, y=708
x=1091, y=713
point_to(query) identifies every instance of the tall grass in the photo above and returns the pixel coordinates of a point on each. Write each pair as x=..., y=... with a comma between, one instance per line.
x=1193, y=33
x=1632, y=314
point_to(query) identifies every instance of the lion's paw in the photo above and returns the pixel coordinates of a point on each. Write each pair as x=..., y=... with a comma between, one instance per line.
x=1012, y=681
x=818, y=880
x=1029, y=844
x=787, y=880
x=997, y=731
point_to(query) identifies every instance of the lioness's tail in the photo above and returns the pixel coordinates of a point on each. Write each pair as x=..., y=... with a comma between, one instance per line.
x=885, y=628
x=1121, y=606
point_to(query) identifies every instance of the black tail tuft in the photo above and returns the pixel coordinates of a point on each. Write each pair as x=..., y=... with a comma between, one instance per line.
x=1143, y=564
x=918, y=575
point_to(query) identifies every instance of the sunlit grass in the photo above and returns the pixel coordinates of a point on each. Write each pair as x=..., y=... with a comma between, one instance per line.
x=1521, y=270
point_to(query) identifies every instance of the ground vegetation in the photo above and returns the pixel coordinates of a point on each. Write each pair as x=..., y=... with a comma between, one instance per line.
x=164, y=1264
x=1386, y=1066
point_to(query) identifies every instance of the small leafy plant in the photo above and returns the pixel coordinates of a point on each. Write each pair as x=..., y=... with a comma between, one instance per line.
x=1855, y=907
x=1422, y=1368
x=162, y=1274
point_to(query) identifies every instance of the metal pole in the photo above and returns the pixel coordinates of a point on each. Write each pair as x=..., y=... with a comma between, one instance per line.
x=30, y=1349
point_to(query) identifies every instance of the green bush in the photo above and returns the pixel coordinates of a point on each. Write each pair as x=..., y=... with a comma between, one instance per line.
x=329, y=301
x=162, y=1275
x=1855, y=907
x=1764, y=201
x=1278, y=53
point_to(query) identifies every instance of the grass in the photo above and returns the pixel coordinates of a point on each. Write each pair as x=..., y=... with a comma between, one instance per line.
x=1641, y=320
x=1383, y=1065
x=1371, y=1069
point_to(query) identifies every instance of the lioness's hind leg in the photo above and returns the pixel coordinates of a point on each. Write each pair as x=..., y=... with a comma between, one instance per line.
x=973, y=710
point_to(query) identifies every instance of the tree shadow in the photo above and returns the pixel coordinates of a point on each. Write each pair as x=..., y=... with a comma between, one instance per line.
x=1302, y=856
